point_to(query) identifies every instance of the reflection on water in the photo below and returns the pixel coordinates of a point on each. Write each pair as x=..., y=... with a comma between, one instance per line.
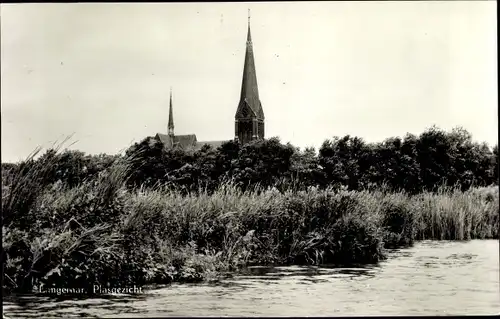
x=429, y=279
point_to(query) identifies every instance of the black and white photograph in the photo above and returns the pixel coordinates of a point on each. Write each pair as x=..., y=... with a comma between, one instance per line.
x=249, y=159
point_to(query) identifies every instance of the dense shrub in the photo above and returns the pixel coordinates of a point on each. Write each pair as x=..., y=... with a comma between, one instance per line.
x=399, y=221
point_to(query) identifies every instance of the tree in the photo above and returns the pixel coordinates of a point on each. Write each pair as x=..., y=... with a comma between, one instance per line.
x=306, y=170
x=345, y=161
x=148, y=161
x=263, y=163
x=435, y=156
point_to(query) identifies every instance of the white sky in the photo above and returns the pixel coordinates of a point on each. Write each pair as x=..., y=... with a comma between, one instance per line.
x=369, y=69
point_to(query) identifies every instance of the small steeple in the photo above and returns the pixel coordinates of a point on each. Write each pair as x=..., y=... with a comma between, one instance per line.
x=170, y=116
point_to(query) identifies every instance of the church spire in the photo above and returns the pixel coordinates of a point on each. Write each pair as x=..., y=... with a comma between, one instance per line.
x=249, y=118
x=249, y=88
x=170, y=116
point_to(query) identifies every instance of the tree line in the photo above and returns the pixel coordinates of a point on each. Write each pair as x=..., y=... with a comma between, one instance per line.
x=412, y=164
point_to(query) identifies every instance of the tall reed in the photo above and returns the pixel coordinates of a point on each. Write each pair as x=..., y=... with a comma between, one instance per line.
x=454, y=215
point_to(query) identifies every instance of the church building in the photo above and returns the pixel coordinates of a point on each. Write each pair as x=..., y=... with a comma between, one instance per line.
x=249, y=118
x=186, y=142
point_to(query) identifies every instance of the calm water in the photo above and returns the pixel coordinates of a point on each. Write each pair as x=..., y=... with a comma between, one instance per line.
x=432, y=278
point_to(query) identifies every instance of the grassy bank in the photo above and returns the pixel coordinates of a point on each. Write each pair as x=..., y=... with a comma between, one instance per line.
x=99, y=232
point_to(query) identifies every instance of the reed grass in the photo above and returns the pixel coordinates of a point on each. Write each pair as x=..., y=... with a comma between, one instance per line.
x=100, y=232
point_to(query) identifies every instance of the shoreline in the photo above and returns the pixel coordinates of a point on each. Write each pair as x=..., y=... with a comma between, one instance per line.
x=300, y=228
x=107, y=293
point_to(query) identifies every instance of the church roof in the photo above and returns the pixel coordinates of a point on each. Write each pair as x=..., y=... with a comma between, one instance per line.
x=249, y=89
x=183, y=141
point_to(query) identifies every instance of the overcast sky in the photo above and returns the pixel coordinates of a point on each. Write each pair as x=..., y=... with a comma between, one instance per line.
x=370, y=69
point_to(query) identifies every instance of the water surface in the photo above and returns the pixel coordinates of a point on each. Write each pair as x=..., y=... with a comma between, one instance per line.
x=432, y=278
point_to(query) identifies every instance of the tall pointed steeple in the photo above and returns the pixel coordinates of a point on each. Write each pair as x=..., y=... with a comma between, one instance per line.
x=171, y=140
x=170, y=116
x=249, y=115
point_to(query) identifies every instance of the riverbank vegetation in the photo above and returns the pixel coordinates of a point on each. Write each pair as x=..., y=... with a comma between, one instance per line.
x=157, y=216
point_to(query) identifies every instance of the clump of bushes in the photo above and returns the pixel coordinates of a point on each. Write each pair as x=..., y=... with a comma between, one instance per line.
x=399, y=220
